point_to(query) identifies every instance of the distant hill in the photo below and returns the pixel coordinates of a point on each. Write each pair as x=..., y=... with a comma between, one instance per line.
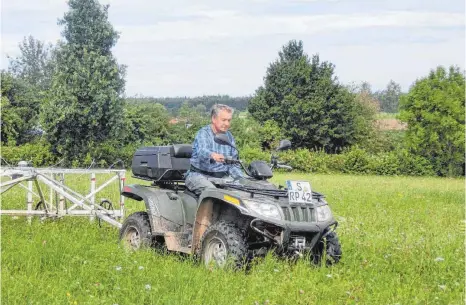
x=172, y=104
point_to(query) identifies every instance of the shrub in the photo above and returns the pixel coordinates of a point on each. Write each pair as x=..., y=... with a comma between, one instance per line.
x=356, y=161
x=39, y=154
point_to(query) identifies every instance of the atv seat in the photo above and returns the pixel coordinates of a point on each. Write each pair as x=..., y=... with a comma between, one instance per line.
x=181, y=150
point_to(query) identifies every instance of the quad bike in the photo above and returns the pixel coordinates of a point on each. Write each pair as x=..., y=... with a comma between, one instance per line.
x=234, y=222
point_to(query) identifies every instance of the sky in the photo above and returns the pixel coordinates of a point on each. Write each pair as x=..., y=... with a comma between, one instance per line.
x=209, y=47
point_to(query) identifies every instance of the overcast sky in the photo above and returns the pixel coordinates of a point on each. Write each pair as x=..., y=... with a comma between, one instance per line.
x=192, y=48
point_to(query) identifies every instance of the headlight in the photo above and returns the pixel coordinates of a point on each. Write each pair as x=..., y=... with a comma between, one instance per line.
x=323, y=213
x=265, y=209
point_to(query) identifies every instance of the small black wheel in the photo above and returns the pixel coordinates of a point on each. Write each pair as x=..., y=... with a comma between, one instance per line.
x=106, y=204
x=136, y=232
x=39, y=206
x=223, y=244
x=331, y=244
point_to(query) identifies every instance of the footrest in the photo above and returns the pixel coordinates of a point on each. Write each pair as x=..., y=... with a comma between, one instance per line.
x=176, y=241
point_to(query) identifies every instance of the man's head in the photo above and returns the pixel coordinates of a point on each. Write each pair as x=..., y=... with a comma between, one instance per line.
x=221, y=117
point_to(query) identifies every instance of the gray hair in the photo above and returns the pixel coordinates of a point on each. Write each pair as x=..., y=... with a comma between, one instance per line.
x=216, y=108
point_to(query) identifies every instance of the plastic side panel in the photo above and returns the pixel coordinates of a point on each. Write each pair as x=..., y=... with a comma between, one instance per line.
x=159, y=204
x=190, y=207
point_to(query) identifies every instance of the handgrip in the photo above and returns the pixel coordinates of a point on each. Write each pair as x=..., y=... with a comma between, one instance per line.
x=284, y=166
x=230, y=161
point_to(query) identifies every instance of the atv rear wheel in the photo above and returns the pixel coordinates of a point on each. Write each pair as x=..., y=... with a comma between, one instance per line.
x=223, y=243
x=332, y=247
x=136, y=232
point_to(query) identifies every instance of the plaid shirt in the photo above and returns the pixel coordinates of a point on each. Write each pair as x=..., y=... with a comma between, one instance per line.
x=204, y=145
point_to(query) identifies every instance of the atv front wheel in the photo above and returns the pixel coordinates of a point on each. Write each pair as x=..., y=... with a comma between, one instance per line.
x=223, y=242
x=332, y=247
x=136, y=231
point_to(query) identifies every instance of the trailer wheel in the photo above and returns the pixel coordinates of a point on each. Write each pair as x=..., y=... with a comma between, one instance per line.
x=136, y=233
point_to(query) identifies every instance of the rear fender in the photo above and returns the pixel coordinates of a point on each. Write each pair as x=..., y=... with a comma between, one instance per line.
x=165, y=214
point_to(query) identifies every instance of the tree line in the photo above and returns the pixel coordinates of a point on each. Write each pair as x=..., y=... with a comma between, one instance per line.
x=68, y=99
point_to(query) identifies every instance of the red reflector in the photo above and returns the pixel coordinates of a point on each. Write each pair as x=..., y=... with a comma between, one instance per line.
x=127, y=189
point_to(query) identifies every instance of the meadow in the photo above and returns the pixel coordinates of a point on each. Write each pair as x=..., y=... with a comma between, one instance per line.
x=402, y=241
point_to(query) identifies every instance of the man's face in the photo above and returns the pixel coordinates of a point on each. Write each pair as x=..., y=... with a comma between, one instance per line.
x=222, y=121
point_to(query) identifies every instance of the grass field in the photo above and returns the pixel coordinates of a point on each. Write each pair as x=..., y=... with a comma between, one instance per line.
x=402, y=239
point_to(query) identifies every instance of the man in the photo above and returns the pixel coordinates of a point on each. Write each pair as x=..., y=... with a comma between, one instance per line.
x=208, y=157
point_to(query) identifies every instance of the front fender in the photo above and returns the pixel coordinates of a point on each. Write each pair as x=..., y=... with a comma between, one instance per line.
x=230, y=197
x=205, y=211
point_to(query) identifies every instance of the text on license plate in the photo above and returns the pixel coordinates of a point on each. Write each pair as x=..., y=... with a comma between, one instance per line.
x=299, y=191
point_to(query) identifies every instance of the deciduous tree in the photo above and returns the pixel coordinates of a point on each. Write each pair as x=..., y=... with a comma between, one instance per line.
x=434, y=111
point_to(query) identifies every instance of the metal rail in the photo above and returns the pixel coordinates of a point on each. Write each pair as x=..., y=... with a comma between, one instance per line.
x=54, y=180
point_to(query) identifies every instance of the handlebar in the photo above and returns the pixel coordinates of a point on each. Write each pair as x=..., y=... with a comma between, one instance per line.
x=272, y=166
x=231, y=161
x=284, y=166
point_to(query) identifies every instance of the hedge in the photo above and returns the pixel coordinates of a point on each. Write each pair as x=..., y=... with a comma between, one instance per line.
x=351, y=161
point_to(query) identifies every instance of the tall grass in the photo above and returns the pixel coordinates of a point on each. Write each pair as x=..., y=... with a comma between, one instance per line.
x=402, y=239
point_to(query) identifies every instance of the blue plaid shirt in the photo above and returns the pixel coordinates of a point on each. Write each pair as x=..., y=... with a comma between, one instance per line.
x=204, y=145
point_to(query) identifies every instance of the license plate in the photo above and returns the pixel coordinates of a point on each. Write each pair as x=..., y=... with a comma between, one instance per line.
x=299, y=191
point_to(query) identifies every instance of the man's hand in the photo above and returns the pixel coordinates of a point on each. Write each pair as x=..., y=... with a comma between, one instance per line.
x=218, y=157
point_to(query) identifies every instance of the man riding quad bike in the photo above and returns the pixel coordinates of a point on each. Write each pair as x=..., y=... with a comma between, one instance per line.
x=228, y=216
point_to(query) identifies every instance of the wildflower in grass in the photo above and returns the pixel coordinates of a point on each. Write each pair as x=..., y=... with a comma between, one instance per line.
x=329, y=275
x=68, y=294
x=141, y=268
x=439, y=259
x=118, y=268
x=301, y=291
x=148, y=287
x=276, y=270
x=443, y=287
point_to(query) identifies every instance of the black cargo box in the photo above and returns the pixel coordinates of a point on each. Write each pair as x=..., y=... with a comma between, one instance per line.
x=162, y=163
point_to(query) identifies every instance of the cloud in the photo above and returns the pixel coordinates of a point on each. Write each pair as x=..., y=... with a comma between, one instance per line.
x=232, y=24
x=224, y=47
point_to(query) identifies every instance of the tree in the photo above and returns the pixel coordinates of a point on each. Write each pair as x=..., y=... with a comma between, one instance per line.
x=35, y=63
x=434, y=111
x=146, y=124
x=84, y=106
x=389, y=98
x=189, y=121
x=303, y=96
x=20, y=110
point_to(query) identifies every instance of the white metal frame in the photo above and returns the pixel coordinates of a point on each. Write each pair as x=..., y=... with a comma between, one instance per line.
x=54, y=179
